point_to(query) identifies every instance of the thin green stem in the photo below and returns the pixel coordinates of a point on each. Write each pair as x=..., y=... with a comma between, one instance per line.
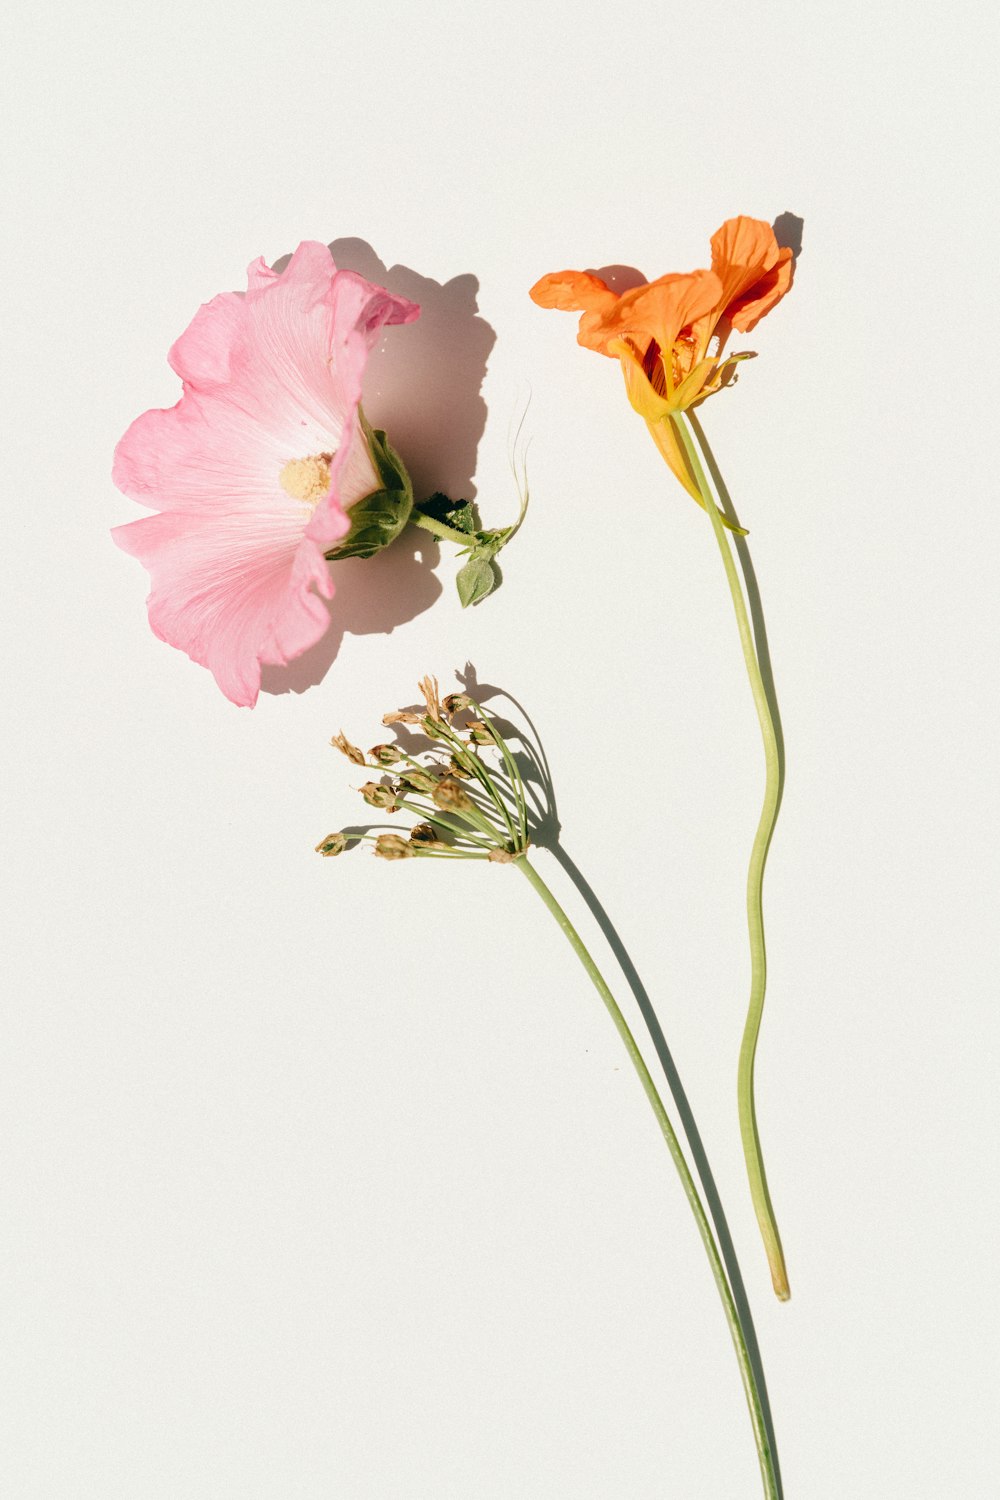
x=457, y=825
x=440, y=529
x=517, y=785
x=473, y=763
x=755, y=884
x=764, y=1452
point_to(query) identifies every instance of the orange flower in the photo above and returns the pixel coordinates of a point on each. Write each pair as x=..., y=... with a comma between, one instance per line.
x=663, y=332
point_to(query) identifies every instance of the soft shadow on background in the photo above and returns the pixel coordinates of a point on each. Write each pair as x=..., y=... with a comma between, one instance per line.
x=423, y=385
x=532, y=761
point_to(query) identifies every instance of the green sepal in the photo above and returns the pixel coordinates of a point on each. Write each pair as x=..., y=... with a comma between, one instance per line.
x=377, y=520
x=475, y=580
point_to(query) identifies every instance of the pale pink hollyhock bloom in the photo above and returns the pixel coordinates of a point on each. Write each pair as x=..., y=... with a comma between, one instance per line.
x=255, y=469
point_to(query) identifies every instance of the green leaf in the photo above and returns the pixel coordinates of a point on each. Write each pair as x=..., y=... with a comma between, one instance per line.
x=474, y=581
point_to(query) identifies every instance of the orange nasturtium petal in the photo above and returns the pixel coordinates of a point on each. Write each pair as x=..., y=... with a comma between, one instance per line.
x=573, y=291
x=660, y=310
x=755, y=271
x=662, y=330
x=578, y=291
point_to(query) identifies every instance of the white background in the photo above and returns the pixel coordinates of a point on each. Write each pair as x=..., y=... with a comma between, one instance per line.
x=330, y=1178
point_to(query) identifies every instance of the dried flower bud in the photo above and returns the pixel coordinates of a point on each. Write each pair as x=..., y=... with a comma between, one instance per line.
x=501, y=856
x=429, y=689
x=425, y=837
x=334, y=843
x=424, y=833
x=457, y=769
x=455, y=703
x=404, y=716
x=449, y=796
x=386, y=755
x=420, y=779
x=342, y=743
x=391, y=846
x=377, y=795
x=479, y=733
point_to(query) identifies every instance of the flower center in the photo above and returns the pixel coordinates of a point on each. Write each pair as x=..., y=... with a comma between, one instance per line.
x=307, y=479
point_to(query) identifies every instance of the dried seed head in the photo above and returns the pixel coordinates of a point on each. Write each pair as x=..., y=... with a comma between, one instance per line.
x=457, y=769
x=425, y=837
x=420, y=779
x=334, y=843
x=429, y=689
x=449, y=796
x=455, y=703
x=404, y=716
x=377, y=795
x=424, y=833
x=342, y=743
x=479, y=733
x=386, y=755
x=391, y=846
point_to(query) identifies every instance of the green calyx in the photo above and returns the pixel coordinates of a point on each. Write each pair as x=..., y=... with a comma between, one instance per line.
x=378, y=519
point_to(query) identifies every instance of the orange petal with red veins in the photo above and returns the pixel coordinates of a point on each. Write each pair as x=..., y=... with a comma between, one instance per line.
x=748, y=311
x=663, y=308
x=754, y=270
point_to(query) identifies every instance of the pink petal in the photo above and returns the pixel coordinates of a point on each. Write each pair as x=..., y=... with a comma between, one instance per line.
x=270, y=375
x=232, y=601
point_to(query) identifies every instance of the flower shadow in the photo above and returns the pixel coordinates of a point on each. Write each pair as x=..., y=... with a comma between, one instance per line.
x=423, y=385
x=788, y=229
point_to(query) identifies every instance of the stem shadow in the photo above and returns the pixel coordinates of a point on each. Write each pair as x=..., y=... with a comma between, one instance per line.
x=533, y=765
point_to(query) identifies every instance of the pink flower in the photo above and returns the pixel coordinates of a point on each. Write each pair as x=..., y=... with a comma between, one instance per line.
x=255, y=469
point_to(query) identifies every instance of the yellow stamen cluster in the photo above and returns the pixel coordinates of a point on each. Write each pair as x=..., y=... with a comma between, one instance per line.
x=307, y=479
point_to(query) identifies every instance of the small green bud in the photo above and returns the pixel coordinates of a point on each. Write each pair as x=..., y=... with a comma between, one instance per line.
x=433, y=728
x=334, y=843
x=391, y=846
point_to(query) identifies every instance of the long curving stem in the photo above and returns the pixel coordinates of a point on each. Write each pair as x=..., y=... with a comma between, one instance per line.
x=764, y=1452
x=755, y=883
